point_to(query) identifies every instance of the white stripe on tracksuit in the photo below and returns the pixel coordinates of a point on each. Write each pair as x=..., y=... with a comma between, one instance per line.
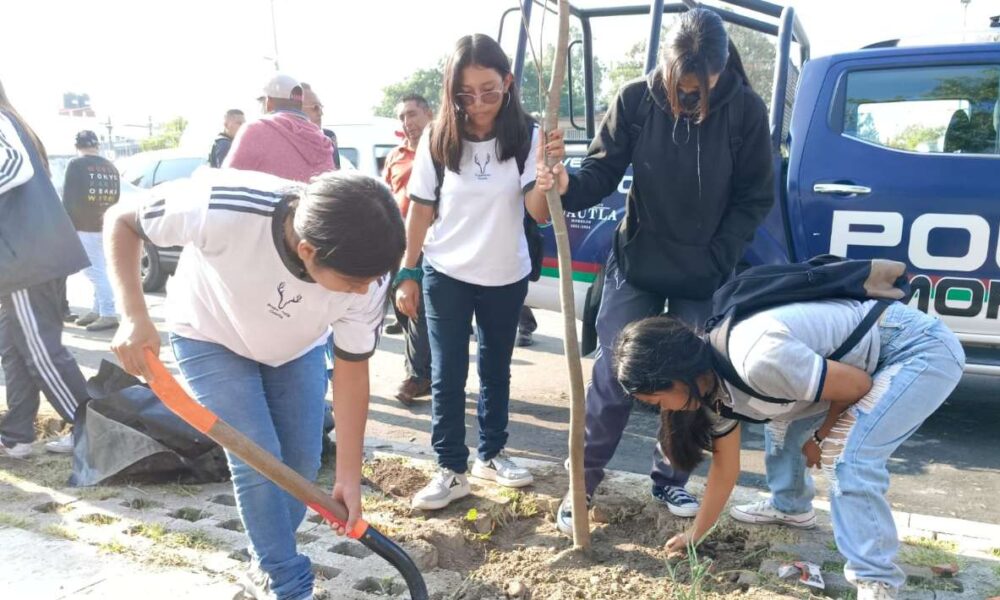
x=46, y=368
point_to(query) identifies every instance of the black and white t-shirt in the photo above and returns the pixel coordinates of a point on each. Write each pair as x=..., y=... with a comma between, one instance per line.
x=780, y=352
x=238, y=285
x=478, y=236
x=92, y=186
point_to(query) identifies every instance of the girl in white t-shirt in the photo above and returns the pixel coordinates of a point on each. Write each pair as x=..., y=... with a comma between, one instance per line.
x=846, y=417
x=268, y=265
x=469, y=195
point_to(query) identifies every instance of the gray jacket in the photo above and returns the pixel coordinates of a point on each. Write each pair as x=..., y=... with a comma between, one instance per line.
x=37, y=240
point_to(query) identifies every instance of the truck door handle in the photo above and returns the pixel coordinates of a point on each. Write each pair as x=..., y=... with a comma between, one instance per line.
x=841, y=188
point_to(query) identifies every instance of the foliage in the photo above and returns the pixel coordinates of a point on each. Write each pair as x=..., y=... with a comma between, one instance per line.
x=915, y=136
x=169, y=136
x=426, y=82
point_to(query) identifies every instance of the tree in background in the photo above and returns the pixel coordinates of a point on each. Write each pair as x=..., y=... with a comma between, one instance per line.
x=756, y=49
x=426, y=82
x=529, y=82
x=918, y=137
x=169, y=136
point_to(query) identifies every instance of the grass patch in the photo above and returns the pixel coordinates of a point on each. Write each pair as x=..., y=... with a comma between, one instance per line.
x=52, y=507
x=98, y=519
x=113, y=547
x=168, y=559
x=141, y=504
x=97, y=493
x=58, y=531
x=195, y=540
x=832, y=546
x=153, y=531
x=925, y=552
x=995, y=552
x=14, y=521
x=519, y=504
x=833, y=566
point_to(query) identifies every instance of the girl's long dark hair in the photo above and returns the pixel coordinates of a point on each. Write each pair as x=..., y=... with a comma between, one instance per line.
x=698, y=45
x=512, y=122
x=6, y=106
x=650, y=356
x=353, y=222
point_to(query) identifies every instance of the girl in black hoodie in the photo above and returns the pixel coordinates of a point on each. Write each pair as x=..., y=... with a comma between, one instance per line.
x=698, y=140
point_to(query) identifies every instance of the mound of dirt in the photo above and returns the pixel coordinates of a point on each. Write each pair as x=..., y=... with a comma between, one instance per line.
x=394, y=477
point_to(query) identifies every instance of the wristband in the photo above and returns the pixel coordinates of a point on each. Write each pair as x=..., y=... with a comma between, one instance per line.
x=816, y=437
x=414, y=274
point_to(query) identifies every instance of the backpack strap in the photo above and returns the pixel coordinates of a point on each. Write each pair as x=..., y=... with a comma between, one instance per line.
x=861, y=330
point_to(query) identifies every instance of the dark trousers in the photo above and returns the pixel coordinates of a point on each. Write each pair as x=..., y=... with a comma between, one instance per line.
x=450, y=306
x=35, y=360
x=608, y=406
x=418, y=346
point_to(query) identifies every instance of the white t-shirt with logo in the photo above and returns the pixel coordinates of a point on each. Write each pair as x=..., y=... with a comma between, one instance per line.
x=478, y=236
x=238, y=285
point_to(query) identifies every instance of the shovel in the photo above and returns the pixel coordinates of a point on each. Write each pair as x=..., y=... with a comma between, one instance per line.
x=176, y=399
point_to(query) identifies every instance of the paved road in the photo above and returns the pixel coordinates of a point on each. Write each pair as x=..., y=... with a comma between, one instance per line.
x=951, y=467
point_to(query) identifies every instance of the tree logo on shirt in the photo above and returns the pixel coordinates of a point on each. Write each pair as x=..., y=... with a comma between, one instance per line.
x=482, y=175
x=279, y=310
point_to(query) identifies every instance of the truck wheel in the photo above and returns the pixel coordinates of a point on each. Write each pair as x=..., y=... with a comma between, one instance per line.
x=151, y=270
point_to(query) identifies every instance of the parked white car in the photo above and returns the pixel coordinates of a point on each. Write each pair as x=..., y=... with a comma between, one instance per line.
x=367, y=143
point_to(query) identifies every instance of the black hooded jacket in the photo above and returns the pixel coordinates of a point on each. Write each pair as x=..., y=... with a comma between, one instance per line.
x=699, y=191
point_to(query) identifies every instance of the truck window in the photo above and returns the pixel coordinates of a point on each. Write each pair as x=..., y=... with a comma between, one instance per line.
x=946, y=109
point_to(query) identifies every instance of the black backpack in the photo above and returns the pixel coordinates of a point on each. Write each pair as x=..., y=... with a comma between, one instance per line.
x=821, y=278
x=532, y=233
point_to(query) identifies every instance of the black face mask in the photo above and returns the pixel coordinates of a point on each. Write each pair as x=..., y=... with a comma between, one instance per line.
x=689, y=101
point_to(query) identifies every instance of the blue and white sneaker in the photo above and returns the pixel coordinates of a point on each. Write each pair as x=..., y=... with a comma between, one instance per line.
x=677, y=500
x=564, y=516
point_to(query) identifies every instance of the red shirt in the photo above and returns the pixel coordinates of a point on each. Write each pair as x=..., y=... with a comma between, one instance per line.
x=398, y=166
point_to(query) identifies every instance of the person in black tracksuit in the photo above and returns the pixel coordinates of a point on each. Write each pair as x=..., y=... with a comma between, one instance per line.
x=697, y=137
x=38, y=249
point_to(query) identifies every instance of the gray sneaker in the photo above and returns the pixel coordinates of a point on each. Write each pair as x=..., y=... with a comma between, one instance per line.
x=103, y=323
x=15, y=451
x=446, y=487
x=87, y=319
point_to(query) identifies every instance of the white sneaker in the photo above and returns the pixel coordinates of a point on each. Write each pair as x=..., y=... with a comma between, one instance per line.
x=564, y=517
x=875, y=590
x=61, y=445
x=502, y=470
x=446, y=487
x=257, y=584
x=16, y=451
x=762, y=512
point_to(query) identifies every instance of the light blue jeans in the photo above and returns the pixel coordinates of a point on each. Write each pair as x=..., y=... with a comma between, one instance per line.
x=104, y=298
x=920, y=363
x=281, y=410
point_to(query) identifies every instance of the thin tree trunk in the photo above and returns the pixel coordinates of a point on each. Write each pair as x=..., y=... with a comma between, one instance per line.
x=571, y=345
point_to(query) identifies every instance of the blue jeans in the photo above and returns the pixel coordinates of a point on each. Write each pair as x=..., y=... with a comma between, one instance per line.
x=921, y=362
x=608, y=406
x=281, y=410
x=104, y=298
x=450, y=305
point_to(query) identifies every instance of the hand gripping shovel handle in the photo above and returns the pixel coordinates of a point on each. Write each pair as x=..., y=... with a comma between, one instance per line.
x=177, y=400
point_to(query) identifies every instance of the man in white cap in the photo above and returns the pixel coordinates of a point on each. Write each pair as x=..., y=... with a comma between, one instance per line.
x=283, y=142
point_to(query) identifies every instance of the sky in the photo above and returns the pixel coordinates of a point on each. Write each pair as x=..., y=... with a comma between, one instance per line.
x=197, y=58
